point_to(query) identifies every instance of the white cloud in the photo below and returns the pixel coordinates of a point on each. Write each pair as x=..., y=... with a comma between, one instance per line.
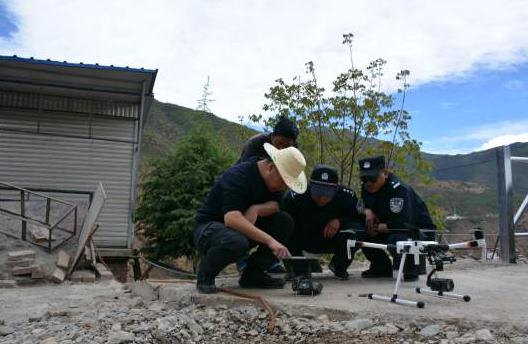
x=479, y=138
x=244, y=46
x=504, y=140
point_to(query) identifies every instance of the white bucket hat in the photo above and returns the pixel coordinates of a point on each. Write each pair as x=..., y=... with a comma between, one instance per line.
x=290, y=164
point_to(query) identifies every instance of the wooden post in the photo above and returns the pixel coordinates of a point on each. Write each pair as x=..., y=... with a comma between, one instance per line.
x=505, y=203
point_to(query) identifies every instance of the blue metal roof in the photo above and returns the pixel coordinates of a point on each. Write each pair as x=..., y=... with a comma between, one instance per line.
x=81, y=64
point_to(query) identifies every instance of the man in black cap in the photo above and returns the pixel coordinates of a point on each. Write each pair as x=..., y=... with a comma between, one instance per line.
x=284, y=135
x=389, y=204
x=321, y=215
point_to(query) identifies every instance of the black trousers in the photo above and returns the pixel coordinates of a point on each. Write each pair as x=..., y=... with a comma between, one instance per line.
x=312, y=240
x=220, y=246
x=379, y=261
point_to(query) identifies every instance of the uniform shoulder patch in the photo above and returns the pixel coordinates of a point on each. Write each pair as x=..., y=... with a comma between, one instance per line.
x=395, y=185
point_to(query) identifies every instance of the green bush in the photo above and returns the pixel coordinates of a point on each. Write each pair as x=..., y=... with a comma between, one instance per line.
x=173, y=187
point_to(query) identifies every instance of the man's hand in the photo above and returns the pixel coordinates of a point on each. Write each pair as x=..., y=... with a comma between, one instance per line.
x=251, y=214
x=331, y=228
x=382, y=228
x=371, y=221
x=279, y=250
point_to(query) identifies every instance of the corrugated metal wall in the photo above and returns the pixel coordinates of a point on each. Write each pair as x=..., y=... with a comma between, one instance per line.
x=32, y=155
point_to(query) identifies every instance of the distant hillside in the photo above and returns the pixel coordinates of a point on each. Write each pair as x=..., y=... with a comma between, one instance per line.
x=166, y=123
x=480, y=167
x=465, y=182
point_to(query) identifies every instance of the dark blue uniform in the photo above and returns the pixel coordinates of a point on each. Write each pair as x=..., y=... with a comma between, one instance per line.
x=240, y=187
x=398, y=206
x=311, y=219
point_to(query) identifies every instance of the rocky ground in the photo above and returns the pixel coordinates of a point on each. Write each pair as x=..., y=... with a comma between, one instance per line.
x=110, y=313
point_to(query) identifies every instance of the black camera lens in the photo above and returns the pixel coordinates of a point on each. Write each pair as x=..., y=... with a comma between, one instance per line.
x=441, y=284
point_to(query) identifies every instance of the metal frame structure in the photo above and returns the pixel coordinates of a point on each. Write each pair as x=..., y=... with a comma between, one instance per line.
x=507, y=219
x=45, y=222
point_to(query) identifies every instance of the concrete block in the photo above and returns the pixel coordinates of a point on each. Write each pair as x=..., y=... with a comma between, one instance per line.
x=37, y=273
x=104, y=273
x=17, y=255
x=26, y=280
x=21, y=262
x=63, y=259
x=24, y=270
x=83, y=276
x=58, y=276
x=7, y=284
x=39, y=235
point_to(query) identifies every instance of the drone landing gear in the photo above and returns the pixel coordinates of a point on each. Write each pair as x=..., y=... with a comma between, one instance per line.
x=394, y=298
x=429, y=292
x=439, y=287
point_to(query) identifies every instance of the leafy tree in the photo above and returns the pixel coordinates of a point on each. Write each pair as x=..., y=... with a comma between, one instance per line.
x=354, y=119
x=173, y=187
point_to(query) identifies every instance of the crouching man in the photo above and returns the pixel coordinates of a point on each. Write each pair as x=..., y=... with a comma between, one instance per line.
x=242, y=211
x=390, y=204
x=324, y=217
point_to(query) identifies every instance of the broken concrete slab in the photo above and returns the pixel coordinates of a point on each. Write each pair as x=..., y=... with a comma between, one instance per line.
x=20, y=262
x=26, y=280
x=37, y=273
x=24, y=270
x=22, y=254
x=83, y=276
x=58, y=275
x=39, y=235
x=63, y=259
x=7, y=284
x=103, y=272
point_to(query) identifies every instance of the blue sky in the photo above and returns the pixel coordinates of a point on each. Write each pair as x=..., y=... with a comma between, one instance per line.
x=468, y=59
x=466, y=114
x=7, y=21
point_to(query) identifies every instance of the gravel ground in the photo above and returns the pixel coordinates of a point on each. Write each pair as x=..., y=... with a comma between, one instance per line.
x=109, y=313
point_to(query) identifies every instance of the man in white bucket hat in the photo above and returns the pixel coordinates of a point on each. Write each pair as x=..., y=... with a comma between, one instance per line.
x=242, y=211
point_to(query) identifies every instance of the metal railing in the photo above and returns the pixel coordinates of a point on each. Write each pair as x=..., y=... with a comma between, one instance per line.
x=44, y=228
x=507, y=219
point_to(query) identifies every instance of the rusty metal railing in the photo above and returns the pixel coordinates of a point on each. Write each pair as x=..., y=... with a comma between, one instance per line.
x=43, y=224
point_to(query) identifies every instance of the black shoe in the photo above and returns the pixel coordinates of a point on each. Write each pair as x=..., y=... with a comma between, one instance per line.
x=341, y=274
x=410, y=277
x=259, y=280
x=276, y=269
x=373, y=273
x=205, y=283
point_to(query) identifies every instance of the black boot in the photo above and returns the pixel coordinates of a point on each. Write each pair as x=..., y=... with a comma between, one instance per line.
x=205, y=283
x=253, y=278
x=339, y=270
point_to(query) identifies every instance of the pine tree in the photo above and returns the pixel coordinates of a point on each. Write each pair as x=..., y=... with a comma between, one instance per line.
x=173, y=188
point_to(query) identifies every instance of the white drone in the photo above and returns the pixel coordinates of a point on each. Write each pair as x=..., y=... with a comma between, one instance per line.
x=435, y=253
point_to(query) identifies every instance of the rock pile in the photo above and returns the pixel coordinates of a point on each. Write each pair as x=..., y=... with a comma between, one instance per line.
x=131, y=319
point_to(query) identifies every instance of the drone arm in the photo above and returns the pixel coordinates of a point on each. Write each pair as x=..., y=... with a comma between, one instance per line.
x=359, y=244
x=467, y=244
